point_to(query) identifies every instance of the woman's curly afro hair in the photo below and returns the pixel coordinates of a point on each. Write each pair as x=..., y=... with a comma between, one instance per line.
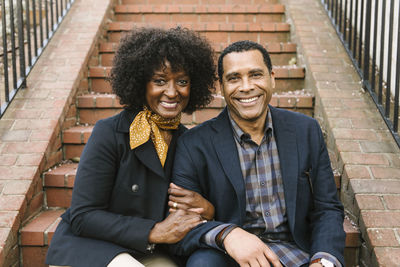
x=145, y=50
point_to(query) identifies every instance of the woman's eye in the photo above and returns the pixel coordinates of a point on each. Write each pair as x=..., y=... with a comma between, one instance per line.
x=159, y=81
x=183, y=82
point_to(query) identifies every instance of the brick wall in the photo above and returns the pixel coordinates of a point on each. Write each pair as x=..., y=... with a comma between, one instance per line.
x=361, y=146
x=30, y=128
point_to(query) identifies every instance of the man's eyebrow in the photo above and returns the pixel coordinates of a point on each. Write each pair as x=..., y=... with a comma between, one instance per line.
x=256, y=70
x=232, y=74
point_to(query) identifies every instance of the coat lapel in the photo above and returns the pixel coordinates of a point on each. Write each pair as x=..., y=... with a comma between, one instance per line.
x=146, y=153
x=225, y=147
x=287, y=147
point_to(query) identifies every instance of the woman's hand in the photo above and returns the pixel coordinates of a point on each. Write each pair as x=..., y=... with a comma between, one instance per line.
x=180, y=198
x=173, y=228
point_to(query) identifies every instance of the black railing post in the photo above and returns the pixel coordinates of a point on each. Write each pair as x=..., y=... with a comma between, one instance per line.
x=373, y=77
x=361, y=33
x=35, y=37
x=382, y=48
x=21, y=43
x=13, y=53
x=389, y=65
x=28, y=32
x=5, y=54
x=397, y=89
x=367, y=40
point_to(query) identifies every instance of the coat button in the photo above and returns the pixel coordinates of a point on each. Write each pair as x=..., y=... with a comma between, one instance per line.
x=135, y=188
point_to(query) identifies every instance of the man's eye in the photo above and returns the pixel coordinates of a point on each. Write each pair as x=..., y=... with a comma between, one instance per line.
x=257, y=74
x=232, y=79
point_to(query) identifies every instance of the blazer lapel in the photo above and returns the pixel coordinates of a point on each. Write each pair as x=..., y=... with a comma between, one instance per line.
x=287, y=147
x=146, y=153
x=225, y=147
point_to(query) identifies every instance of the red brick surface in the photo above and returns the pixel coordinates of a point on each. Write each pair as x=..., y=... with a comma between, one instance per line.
x=30, y=138
x=366, y=154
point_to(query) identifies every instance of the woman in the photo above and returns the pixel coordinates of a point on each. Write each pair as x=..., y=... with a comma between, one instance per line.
x=120, y=194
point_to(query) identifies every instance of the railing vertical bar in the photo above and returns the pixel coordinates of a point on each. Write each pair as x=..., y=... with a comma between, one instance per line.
x=340, y=16
x=337, y=11
x=389, y=65
x=41, y=23
x=51, y=15
x=13, y=53
x=332, y=9
x=382, y=48
x=351, y=26
x=374, y=63
x=345, y=21
x=62, y=7
x=5, y=52
x=361, y=33
x=355, y=29
x=21, y=42
x=396, y=93
x=57, y=11
x=367, y=44
x=35, y=39
x=46, y=12
x=28, y=32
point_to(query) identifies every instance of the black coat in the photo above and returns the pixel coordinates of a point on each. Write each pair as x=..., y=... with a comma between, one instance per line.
x=119, y=194
x=207, y=162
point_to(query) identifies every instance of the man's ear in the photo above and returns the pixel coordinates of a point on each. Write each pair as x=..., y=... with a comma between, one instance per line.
x=272, y=79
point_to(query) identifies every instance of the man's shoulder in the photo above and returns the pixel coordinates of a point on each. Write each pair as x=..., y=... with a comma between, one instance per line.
x=200, y=131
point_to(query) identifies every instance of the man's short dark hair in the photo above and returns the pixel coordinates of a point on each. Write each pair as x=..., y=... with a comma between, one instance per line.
x=241, y=46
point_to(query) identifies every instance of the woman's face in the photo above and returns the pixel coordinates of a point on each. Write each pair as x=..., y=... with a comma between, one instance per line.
x=167, y=92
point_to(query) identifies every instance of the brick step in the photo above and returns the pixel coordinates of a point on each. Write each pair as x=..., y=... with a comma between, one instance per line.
x=281, y=53
x=92, y=107
x=36, y=237
x=215, y=32
x=287, y=78
x=37, y=234
x=197, y=2
x=199, y=14
x=59, y=181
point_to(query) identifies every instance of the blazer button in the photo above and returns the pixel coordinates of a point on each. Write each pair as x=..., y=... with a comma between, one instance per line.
x=135, y=188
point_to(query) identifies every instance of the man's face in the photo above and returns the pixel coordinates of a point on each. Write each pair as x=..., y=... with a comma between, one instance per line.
x=247, y=86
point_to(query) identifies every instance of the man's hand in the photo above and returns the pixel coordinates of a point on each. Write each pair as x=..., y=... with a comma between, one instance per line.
x=316, y=265
x=248, y=250
x=173, y=228
x=180, y=198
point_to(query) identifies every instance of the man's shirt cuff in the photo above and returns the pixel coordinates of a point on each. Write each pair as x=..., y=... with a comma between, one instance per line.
x=326, y=256
x=209, y=237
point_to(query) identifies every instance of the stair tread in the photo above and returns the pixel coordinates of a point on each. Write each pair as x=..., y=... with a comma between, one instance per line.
x=204, y=9
x=35, y=233
x=206, y=27
x=281, y=72
x=64, y=175
x=272, y=48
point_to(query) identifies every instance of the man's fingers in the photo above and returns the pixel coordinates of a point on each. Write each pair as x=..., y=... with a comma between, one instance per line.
x=262, y=260
x=272, y=257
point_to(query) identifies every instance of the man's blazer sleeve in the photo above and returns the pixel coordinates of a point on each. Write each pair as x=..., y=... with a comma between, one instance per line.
x=185, y=174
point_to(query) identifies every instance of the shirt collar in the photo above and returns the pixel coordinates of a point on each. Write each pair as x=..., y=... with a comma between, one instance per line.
x=241, y=136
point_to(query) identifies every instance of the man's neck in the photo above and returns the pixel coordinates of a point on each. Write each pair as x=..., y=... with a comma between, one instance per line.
x=255, y=128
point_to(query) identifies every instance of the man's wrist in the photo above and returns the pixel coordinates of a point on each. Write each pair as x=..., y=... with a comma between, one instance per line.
x=219, y=239
x=323, y=262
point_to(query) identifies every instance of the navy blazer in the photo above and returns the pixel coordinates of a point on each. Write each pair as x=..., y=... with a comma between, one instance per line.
x=207, y=162
x=119, y=194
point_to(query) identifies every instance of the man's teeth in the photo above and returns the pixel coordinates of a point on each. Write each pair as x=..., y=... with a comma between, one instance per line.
x=248, y=100
x=168, y=104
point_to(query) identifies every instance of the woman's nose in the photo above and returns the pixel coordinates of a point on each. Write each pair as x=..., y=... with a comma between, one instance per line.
x=170, y=90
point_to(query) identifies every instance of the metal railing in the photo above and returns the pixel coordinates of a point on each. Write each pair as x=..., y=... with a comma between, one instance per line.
x=26, y=28
x=367, y=29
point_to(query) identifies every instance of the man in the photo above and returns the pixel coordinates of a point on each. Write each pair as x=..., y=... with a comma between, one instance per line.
x=266, y=171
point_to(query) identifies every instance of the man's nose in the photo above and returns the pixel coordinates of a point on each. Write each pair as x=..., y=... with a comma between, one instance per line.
x=247, y=85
